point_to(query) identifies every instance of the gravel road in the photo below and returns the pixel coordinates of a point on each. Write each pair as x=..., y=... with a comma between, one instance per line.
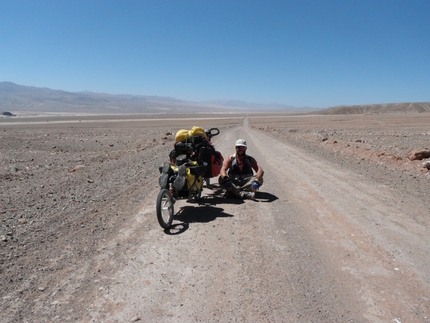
x=338, y=233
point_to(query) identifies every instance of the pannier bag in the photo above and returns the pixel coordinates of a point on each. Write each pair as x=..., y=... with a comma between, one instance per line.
x=194, y=173
x=196, y=140
x=187, y=135
x=214, y=159
x=194, y=177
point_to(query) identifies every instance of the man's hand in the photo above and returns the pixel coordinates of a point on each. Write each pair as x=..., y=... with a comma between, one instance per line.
x=255, y=186
x=227, y=182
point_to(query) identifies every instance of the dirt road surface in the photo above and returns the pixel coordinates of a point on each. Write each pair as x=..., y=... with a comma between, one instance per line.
x=328, y=239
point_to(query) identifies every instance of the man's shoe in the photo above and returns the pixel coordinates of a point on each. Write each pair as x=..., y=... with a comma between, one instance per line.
x=248, y=195
x=164, y=176
x=180, y=179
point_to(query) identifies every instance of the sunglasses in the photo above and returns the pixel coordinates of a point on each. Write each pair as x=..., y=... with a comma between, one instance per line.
x=240, y=147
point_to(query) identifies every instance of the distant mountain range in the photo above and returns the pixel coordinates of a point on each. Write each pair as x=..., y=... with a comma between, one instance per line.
x=15, y=98
x=407, y=107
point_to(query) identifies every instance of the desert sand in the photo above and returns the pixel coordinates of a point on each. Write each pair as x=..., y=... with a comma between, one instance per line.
x=338, y=233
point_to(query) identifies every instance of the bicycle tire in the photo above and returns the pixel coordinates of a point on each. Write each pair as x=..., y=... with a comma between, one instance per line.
x=165, y=209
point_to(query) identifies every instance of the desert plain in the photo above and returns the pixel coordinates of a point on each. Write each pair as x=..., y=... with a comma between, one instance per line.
x=339, y=231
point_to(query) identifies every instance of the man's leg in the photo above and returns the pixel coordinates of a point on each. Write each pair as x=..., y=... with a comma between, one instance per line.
x=247, y=184
x=246, y=188
x=243, y=188
x=234, y=189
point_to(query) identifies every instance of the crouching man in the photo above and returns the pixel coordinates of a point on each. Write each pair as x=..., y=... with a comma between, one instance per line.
x=241, y=175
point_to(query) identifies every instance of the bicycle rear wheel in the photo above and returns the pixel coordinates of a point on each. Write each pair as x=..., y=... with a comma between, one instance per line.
x=165, y=208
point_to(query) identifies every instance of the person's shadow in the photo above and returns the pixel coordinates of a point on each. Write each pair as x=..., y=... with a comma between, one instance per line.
x=215, y=198
x=265, y=197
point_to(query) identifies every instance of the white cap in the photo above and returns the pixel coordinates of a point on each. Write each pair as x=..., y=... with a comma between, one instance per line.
x=241, y=142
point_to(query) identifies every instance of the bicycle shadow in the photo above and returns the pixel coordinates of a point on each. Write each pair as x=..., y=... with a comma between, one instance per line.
x=204, y=210
x=202, y=214
x=195, y=214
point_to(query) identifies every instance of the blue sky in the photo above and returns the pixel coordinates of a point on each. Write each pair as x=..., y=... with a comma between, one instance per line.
x=316, y=53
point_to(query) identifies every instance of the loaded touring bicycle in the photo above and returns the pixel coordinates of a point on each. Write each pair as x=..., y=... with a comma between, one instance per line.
x=192, y=161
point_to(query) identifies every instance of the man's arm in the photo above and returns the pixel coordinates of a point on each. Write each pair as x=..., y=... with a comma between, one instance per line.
x=258, y=169
x=260, y=173
x=225, y=167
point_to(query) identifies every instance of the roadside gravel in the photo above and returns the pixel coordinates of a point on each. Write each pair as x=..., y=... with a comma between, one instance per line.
x=376, y=146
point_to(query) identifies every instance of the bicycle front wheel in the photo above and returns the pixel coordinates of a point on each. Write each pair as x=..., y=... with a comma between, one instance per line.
x=165, y=208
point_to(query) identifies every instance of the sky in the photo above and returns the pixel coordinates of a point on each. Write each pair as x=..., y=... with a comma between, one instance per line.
x=313, y=53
